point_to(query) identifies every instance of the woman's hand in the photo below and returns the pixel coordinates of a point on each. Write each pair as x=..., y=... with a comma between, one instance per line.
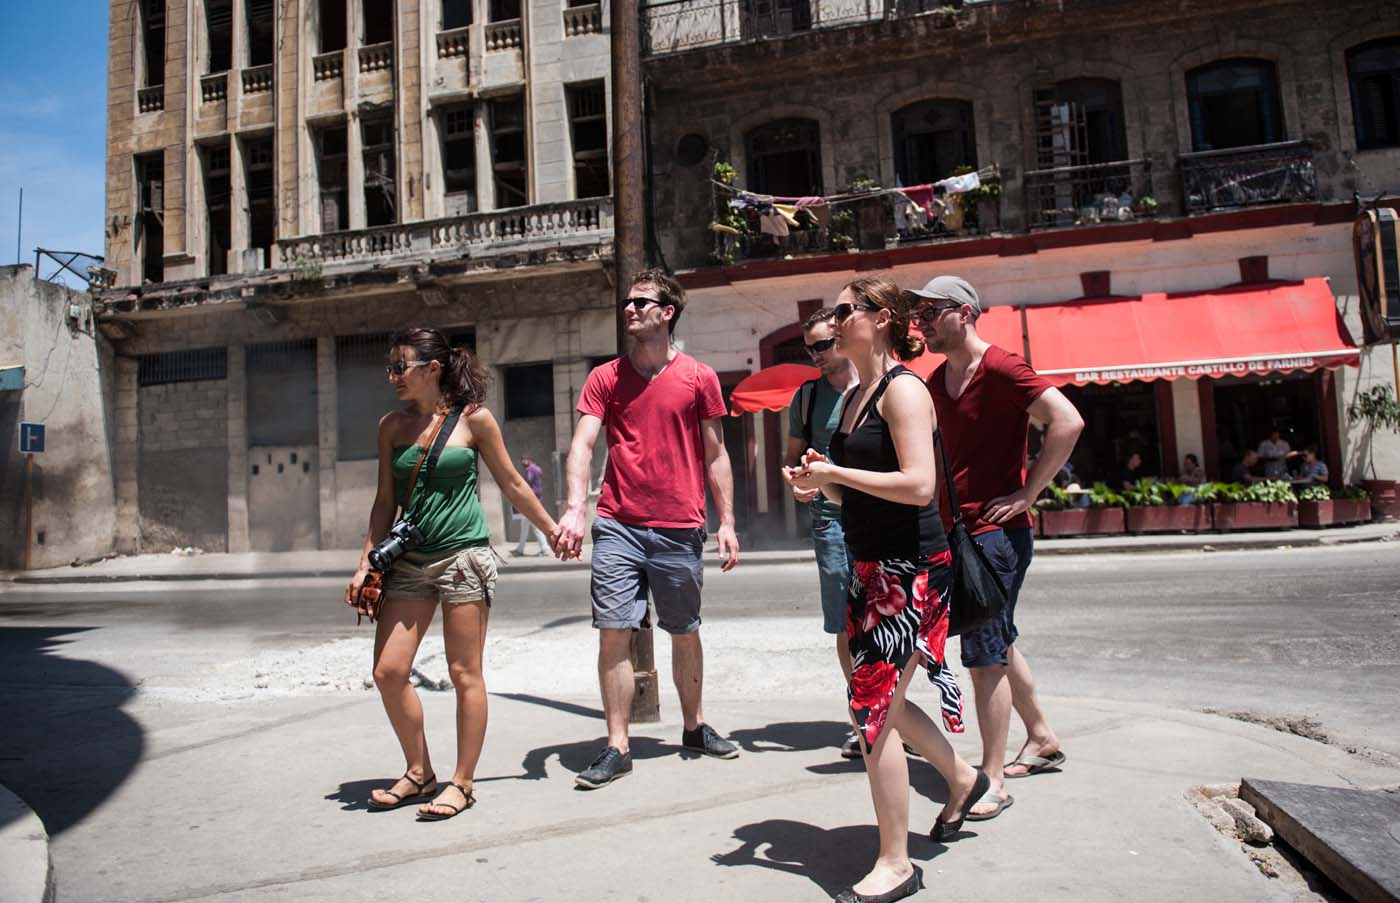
x=352, y=592
x=813, y=476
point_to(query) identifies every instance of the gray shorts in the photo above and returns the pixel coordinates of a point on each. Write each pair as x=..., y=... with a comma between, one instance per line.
x=628, y=561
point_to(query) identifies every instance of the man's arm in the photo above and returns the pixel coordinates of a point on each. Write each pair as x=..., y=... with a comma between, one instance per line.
x=567, y=539
x=1062, y=428
x=722, y=485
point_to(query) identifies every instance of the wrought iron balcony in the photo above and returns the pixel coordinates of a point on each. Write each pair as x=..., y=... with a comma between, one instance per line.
x=1088, y=195
x=1245, y=176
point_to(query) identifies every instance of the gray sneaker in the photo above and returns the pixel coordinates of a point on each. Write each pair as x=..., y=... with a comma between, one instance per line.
x=704, y=739
x=610, y=765
x=850, y=747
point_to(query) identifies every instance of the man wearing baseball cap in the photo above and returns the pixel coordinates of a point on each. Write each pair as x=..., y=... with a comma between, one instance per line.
x=985, y=397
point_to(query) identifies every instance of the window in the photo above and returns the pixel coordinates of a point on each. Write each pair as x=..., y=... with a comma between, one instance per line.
x=331, y=174
x=379, y=21
x=1374, y=72
x=508, y=152
x=262, y=205
x=458, y=139
x=377, y=139
x=281, y=393
x=153, y=41
x=931, y=139
x=785, y=158
x=529, y=391
x=259, y=15
x=1234, y=103
x=332, y=24
x=1080, y=122
x=218, y=22
x=504, y=10
x=456, y=14
x=150, y=215
x=182, y=366
x=771, y=18
x=588, y=129
x=216, y=203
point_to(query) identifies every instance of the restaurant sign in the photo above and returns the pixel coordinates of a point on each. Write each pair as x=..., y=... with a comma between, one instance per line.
x=1198, y=369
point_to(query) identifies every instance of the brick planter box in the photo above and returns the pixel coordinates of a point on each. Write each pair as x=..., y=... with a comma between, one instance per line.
x=1254, y=515
x=1169, y=519
x=1079, y=522
x=1385, y=498
x=1333, y=512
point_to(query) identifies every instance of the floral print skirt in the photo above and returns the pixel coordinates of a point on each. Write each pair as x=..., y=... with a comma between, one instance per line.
x=895, y=608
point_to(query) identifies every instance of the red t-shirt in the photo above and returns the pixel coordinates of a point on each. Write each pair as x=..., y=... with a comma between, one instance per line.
x=656, y=456
x=984, y=434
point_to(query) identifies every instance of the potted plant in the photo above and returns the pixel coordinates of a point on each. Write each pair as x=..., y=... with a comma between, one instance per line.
x=1266, y=505
x=725, y=174
x=1158, y=506
x=982, y=206
x=1378, y=410
x=1320, y=507
x=1061, y=516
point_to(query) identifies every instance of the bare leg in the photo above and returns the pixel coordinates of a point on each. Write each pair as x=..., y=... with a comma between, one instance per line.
x=992, y=688
x=464, y=639
x=843, y=655
x=920, y=732
x=616, y=681
x=688, y=671
x=1040, y=738
x=396, y=638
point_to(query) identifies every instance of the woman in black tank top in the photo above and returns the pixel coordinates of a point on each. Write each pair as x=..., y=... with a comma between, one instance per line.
x=882, y=473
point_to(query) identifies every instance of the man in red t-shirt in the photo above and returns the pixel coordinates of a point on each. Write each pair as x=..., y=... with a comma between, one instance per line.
x=985, y=397
x=662, y=411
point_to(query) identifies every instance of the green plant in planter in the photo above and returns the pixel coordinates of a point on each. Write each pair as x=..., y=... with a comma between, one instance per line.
x=1273, y=491
x=838, y=234
x=1355, y=491
x=1154, y=493
x=1315, y=494
x=862, y=183
x=725, y=174
x=990, y=189
x=1054, y=499
x=1378, y=410
x=1100, y=496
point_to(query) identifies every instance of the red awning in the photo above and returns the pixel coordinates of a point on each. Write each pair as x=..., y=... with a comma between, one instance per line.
x=1267, y=328
x=770, y=389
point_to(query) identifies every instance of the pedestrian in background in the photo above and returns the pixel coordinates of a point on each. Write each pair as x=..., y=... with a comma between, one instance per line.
x=985, y=398
x=1192, y=473
x=881, y=471
x=813, y=417
x=1274, y=452
x=452, y=566
x=534, y=476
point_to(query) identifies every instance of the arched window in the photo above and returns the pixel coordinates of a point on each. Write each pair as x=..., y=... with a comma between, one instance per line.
x=1374, y=72
x=785, y=158
x=1101, y=101
x=931, y=139
x=1234, y=103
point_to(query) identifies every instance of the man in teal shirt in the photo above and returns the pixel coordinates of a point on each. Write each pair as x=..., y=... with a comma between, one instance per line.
x=815, y=413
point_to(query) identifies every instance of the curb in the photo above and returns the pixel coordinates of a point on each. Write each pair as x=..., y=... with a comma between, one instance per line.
x=24, y=853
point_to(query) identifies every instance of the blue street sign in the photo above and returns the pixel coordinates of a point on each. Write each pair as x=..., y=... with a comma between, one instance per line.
x=31, y=438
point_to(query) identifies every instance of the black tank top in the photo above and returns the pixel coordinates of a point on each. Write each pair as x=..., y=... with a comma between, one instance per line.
x=876, y=529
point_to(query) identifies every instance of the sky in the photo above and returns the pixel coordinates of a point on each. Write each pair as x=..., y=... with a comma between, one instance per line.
x=53, y=122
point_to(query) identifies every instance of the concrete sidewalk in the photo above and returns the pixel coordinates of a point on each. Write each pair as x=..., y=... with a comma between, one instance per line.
x=341, y=562
x=266, y=801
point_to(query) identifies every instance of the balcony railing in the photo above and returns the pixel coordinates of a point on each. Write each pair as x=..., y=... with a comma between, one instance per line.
x=377, y=57
x=213, y=87
x=150, y=100
x=580, y=20
x=503, y=35
x=328, y=65
x=1245, y=176
x=257, y=79
x=1088, y=195
x=454, y=43
x=472, y=235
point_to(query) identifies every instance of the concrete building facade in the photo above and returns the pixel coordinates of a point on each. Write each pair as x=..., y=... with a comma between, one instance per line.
x=289, y=183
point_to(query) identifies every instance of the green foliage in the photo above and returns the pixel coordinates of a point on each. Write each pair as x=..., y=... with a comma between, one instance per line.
x=1378, y=410
x=862, y=183
x=839, y=232
x=1279, y=491
x=1153, y=493
x=725, y=174
x=308, y=269
x=1314, y=494
x=1100, y=496
x=1355, y=491
x=1054, y=499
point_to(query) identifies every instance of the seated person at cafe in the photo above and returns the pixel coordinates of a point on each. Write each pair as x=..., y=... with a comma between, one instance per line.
x=1192, y=473
x=1131, y=472
x=1242, y=471
x=1314, y=470
x=1274, y=450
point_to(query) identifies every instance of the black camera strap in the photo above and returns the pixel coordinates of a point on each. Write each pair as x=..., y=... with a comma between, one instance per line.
x=431, y=454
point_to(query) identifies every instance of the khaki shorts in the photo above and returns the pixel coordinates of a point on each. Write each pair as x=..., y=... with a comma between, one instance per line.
x=466, y=575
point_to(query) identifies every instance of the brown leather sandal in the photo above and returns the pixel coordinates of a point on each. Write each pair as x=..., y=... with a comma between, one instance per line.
x=468, y=800
x=422, y=788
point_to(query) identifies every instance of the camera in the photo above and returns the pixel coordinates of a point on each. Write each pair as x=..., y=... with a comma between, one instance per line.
x=403, y=537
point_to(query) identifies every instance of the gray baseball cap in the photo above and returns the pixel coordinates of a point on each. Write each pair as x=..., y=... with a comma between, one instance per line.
x=951, y=288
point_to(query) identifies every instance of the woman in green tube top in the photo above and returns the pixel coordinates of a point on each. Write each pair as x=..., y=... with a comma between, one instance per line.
x=453, y=565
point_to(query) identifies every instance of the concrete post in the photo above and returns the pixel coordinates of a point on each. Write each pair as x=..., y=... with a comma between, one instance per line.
x=125, y=457
x=237, y=426
x=327, y=445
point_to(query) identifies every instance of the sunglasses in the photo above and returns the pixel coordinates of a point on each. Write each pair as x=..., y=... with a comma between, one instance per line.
x=399, y=368
x=931, y=311
x=842, y=312
x=640, y=303
x=820, y=345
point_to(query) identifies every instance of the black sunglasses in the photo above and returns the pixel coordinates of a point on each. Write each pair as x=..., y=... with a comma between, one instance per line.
x=842, y=312
x=640, y=303
x=820, y=345
x=398, y=368
x=930, y=310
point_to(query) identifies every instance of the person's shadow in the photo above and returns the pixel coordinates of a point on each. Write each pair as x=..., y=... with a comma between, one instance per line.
x=575, y=757
x=792, y=736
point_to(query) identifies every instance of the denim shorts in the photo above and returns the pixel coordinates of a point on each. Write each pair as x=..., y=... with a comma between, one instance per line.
x=1009, y=552
x=833, y=572
x=629, y=561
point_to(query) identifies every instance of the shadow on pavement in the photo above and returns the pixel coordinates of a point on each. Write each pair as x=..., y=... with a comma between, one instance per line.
x=792, y=736
x=67, y=745
x=924, y=779
x=569, y=707
x=575, y=757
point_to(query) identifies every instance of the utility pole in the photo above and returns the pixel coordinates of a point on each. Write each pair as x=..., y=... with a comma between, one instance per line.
x=629, y=257
x=19, y=231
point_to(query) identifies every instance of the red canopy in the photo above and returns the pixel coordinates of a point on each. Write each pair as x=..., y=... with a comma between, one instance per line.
x=1274, y=327
x=770, y=389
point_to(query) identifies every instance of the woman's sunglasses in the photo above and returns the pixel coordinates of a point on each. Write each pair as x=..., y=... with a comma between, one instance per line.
x=398, y=368
x=820, y=345
x=842, y=312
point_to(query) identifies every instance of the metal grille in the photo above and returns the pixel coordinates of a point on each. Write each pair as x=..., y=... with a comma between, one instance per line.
x=182, y=366
x=283, y=357
x=362, y=349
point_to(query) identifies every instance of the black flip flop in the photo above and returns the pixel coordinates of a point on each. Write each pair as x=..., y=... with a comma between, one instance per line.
x=375, y=806
x=945, y=830
x=468, y=798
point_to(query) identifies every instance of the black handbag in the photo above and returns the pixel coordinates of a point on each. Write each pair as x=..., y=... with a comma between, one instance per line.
x=977, y=595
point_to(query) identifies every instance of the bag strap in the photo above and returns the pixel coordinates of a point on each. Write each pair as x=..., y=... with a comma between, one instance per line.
x=809, y=407
x=948, y=477
x=430, y=453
